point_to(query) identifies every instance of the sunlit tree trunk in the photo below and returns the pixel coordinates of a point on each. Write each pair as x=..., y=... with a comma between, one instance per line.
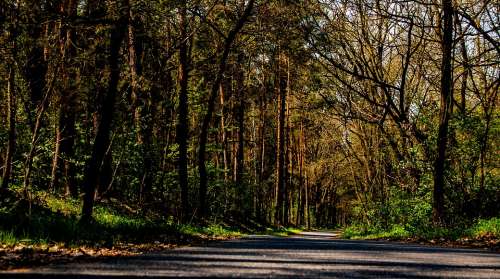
x=280, y=167
x=11, y=123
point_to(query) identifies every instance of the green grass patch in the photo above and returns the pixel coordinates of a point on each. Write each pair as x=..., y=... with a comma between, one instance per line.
x=215, y=231
x=485, y=228
x=482, y=228
x=56, y=220
x=8, y=238
x=282, y=231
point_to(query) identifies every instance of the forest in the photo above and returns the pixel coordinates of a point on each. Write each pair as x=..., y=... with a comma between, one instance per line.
x=122, y=116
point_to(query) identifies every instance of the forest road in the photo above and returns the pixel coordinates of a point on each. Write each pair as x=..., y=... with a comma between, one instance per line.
x=307, y=255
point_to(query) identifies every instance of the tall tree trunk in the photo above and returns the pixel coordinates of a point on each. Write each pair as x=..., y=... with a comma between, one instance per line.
x=97, y=9
x=465, y=74
x=211, y=103
x=288, y=167
x=102, y=138
x=35, y=69
x=223, y=134
x=262, y=156
x=280, y=168
x=65, y=132
x=11, y=123
x=444, y=112
x=302, y=189
x=306, y=196
x=182, y=122
x=241, y=130
x=140, y=105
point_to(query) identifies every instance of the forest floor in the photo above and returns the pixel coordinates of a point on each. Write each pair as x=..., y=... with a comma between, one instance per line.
x=483, y=234
x=491, y=243
x=305, y=255
x=46, y=230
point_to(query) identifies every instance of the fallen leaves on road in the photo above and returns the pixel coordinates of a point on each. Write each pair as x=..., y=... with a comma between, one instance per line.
x=22, y=255
x=33, y=255
x=491, y=243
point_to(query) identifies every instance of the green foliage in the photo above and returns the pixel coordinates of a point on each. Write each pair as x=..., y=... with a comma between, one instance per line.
x=282, y=231
x=485, y=227
x=55, y=219
x=481, y=228
x=214, y=230
x=7, y=237
x=401, y=211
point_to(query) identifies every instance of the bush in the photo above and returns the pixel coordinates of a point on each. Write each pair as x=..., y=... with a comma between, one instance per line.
x=485, y=228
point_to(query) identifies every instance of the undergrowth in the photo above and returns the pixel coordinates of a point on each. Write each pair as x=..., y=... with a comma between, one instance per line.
x=56, y=220
x=479, y=229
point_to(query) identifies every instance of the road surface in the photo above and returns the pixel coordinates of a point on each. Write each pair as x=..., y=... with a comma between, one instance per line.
x=308, y=255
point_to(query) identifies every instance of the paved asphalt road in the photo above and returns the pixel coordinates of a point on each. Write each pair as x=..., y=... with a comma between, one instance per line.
x=309, y=255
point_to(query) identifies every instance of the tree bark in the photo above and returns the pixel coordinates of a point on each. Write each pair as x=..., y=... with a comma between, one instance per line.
x=280, y=168
x=241, y=130
x=35, y=69
x=182, y=122
x=102, y=138
x=444, y=112
x=11, y=123
x=223, y=134
x=65, y=132
x=140, y=105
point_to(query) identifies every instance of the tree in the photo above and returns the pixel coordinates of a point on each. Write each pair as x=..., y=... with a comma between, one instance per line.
x=211, y=104
x=11, y=106
x=102, y=140
x=65, y=131
x=444, y=111
x=182, y=124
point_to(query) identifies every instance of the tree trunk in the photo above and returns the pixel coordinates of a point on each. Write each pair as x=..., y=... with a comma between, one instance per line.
x=102, y=138
x=288, y=168
x=182, y=122
x=11, y=123
x=211, y=103
x=35, y=69
x=223, y=134
x=262, y=156
x=65, y=132
x=444, y=112
x=280, y=168
x=302, y=189
x=140, y=105
x=241, y=130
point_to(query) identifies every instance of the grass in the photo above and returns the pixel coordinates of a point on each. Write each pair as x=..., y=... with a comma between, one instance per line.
x=485, y=228
x=8, y=238
x=214, y=230
x=56, y=220
x=282, y=231
x=482, y=228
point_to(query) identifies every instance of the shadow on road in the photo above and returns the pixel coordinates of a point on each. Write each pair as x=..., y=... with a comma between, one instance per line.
x=308, y=256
